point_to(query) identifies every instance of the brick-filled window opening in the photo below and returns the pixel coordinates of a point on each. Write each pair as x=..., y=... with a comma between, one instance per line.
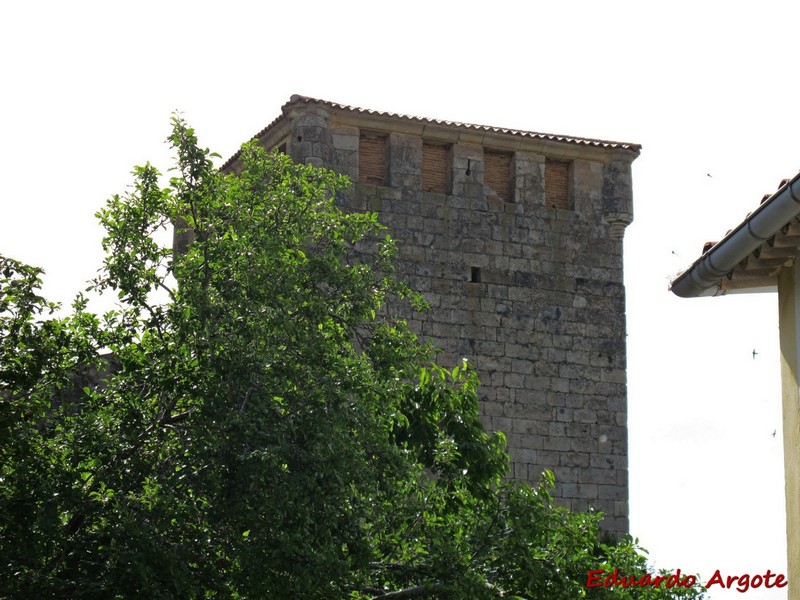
x=497, y=174
x=557, y=188
x=435, y=167
x=372, y=159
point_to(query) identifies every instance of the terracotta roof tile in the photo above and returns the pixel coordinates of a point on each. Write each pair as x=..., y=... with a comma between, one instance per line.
x=763, y=252
x=533, y=134
x=566, y=139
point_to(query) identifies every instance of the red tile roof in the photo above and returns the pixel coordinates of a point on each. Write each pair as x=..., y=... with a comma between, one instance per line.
x=760, y=256
x=301, y=100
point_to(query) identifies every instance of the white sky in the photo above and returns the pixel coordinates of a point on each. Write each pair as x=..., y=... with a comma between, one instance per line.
x=708, y=88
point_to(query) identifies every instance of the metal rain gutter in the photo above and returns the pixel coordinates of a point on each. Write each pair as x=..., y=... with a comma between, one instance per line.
x=703, y=277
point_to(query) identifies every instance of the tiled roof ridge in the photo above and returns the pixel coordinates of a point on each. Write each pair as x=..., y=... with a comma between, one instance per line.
x=296, y=99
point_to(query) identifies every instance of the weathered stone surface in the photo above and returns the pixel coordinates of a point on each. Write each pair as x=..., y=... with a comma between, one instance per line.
x=532, y=295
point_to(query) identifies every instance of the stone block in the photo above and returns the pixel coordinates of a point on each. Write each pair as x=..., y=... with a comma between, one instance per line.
x=345, y=138
x=545, y=324
x=524, y=426
x=502, y=424
x=564, y=414
x=606, y=461
x=579, y=430
x=514, y=380
x=568, y=475
x=549, y=459
x=587, y=445
x=611, y=492
x=585, y=416
x=534, y=473
x=613, y=375
x=561, y=444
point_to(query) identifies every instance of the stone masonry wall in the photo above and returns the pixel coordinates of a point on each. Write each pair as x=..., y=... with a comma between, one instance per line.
x=532, y=296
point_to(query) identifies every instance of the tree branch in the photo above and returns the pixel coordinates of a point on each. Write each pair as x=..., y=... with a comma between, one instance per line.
x=418, y=591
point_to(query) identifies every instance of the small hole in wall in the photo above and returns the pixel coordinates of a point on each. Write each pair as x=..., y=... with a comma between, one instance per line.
x=299, y=138
x=475, y=275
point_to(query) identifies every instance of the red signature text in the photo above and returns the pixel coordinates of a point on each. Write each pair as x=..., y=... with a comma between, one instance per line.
x=746, y=582
x=595, y=579
x=741, y=583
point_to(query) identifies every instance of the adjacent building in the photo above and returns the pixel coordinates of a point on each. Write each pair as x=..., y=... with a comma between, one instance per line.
x=515, y=240
x=758, y=255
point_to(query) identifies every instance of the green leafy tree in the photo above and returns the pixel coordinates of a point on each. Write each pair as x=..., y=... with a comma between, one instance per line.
x=254, y=421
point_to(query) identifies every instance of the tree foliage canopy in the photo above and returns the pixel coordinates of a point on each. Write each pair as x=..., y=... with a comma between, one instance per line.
x=254, y=421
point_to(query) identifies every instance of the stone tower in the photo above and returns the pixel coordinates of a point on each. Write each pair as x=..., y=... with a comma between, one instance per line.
x=515, y=240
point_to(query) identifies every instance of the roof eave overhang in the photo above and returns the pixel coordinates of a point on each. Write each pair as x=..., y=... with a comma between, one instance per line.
x=750, y=253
